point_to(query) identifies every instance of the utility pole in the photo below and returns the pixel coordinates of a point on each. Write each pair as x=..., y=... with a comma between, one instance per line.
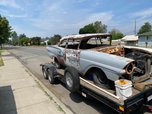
x=135, y=27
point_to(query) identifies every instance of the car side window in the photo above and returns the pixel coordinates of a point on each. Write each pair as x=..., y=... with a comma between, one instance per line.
x=73, y=44
x=63, y=43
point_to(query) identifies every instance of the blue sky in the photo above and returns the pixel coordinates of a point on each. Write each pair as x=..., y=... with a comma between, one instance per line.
x=48, y=17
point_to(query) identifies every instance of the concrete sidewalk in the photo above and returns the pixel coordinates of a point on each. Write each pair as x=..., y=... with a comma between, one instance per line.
x=22, y=93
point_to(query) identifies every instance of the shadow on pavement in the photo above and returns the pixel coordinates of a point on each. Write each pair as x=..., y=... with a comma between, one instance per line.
x=7, y=101
x=100, y=107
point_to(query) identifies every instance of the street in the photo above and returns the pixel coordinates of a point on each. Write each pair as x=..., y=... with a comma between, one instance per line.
x=32, y=57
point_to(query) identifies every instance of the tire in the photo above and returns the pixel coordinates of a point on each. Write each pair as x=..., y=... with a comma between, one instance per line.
x=72, y=79
x=50, y=76
x=45, y=75
x=99, y=77
x=57, y=64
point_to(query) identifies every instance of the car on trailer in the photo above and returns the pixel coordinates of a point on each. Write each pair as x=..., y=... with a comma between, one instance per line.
x=90, y=64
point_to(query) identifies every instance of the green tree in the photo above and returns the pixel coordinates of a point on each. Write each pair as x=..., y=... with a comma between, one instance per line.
x=5, y=30
x=15, y=39
x=22, y=36
x=99, y=27
x=116, y=34
x=23, y=40
x=145, y=28
x=96, y=27
x=87, y=29
x=55, y=39
x=35, y=40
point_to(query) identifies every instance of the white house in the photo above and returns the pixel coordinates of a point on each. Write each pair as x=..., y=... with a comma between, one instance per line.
x=130, y=40
x=145, y=39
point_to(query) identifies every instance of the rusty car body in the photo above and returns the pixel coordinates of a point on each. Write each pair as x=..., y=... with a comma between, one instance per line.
x=96, y=59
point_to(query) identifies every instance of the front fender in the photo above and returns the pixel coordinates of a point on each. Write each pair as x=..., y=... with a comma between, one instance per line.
x=111, y=74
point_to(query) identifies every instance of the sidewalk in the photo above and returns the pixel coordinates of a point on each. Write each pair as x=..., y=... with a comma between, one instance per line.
x=22, y=93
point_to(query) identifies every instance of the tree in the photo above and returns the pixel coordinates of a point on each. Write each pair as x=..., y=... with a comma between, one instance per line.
x=22, y=36
x=55, y=39
x=35, y=40
x=145, y=28
x=96, y=27
x=15, y=39
x=99, y=27
x=5, y=30
x=23, y=40
x=116, y=34
x=87, y=29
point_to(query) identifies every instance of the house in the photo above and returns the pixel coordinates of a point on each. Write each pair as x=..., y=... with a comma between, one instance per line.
x=145, y=39
x=131, y=40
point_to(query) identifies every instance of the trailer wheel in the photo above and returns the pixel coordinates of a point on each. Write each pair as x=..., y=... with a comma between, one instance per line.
x=57, y=64
x=72, y=80
x=45, y=73
x=50, y=76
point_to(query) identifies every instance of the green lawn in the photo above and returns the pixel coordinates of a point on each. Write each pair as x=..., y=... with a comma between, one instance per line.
x=1, y=61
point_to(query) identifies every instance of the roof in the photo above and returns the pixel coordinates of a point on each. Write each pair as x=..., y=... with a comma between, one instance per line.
x=130, y=38
x=83, y=36
x=146, y=34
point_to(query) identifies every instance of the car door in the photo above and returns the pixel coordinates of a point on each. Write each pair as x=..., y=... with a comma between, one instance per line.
x=72, y=54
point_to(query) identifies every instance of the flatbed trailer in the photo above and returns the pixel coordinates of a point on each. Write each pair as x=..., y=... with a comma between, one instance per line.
x=136, y=102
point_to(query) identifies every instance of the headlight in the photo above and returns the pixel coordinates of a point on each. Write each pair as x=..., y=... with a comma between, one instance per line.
x=129, y=68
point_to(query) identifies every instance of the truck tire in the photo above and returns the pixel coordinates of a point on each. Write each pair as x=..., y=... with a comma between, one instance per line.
x=72, y=79
x=45, y=74
x=50, y=76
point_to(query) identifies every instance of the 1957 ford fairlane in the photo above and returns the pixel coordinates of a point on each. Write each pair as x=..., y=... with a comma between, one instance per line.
x=96, y=59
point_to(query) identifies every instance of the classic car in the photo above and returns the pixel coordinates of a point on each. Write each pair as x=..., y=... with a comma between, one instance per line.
x=96, y=59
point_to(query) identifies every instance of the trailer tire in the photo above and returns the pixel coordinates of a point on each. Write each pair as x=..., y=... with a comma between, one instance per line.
x=57, y=64
x=45, y=75
x=50, y=76
x=72, y=79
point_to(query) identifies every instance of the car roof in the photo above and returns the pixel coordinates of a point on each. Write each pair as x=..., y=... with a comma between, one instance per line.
x=85, y=36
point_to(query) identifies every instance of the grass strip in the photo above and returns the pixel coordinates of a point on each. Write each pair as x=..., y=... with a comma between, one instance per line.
x=1, y=60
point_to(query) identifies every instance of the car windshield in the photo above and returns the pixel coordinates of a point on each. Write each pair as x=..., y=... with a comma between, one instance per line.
x=94, y=42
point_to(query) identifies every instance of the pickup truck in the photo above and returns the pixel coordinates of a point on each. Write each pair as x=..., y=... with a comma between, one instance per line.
x=93, y=56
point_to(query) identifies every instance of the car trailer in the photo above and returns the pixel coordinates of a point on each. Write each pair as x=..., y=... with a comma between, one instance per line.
x=75, y=83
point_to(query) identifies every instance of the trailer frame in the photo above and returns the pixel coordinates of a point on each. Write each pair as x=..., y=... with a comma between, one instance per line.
x=127, y=106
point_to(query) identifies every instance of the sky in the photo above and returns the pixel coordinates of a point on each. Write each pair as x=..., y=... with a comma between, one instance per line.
x=48, y=17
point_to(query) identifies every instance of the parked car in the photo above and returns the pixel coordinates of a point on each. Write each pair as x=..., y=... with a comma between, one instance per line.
x=96, y=59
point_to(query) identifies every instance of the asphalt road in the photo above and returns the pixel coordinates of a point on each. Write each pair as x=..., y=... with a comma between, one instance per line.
x=32, y=57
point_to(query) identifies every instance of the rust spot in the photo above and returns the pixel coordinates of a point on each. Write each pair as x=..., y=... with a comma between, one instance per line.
x=122, y=82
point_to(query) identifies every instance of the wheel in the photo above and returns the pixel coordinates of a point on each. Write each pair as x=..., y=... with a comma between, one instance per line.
x=57, y=64
x=72, y=80
x=45, y=75
x=50, y=76
x=99, y=78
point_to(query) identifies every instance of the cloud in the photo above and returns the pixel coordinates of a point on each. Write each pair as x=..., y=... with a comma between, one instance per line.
x=105, y=17
x=6, y=13
x=10, y=3
x=143, y=14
